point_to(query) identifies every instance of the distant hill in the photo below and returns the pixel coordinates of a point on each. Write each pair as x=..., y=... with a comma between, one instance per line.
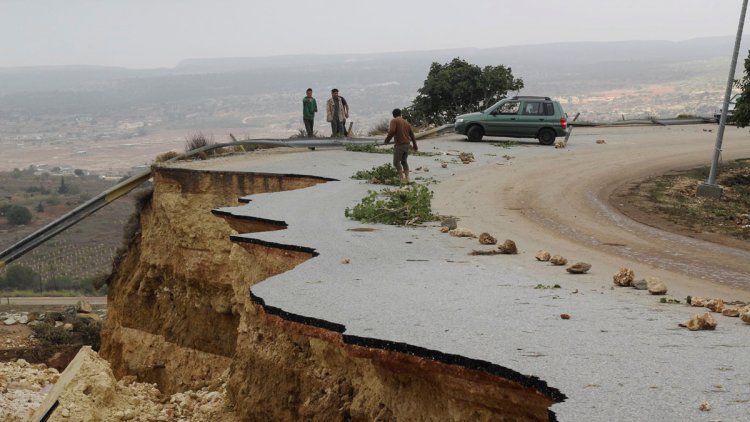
x=687, y=77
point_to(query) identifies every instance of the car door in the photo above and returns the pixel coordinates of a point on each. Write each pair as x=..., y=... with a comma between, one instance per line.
x=532, y=118
x=503, y=121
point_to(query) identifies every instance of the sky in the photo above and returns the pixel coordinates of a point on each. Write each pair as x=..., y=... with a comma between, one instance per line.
x=161, y=33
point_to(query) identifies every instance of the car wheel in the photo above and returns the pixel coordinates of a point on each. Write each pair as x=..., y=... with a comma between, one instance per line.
x=475, y=133
x=546, y=136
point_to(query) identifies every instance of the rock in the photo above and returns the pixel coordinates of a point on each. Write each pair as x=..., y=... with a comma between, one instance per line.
x=559, y=144
x=23, y=319
x=558, y=260
x=68, y=326
x=461, y=232
x=444, y=229
x=704, y=407
x=697, y=301
x=449, y=222
x=345, y=261
x=578, y=268
x=715, y=305
x=731, y=312
x=565, y=316
x=82, y=306
x=543, y=256
x=425, y=169
x=601, y=141
x=656, y=286
x=487, y=239
x=34, y=323
x=700, y=322
x=10, y=320
x=745, y=316
x=639, y=284
x=65, y=413
x=444, y=165
x=624, y=277
x=58, y=324
x=508, y=247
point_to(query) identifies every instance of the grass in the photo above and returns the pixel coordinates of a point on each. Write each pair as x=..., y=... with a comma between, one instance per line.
x=505, y=144
x=673, y=197
x=380, y=128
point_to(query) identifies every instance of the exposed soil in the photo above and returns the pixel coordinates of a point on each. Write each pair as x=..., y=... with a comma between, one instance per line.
x=669, y=202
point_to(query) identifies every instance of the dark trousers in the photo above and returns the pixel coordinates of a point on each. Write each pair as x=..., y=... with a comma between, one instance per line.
x=309, y=127
x=337, y=128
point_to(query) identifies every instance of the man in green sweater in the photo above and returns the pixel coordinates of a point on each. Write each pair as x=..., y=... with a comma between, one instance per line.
x=309, y=108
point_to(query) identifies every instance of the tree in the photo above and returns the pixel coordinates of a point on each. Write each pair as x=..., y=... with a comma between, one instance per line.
x=18, y=215
x=459, y=87
x=741, y=116
x=78, y=172
x=40, y=207
x=20, y=277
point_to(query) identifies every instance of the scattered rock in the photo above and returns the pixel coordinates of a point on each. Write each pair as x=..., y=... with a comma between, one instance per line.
x=543, y=256
x=461, y=232
x=10, y=320
x=425, y=169
x=449, y=222
x=624, y=277
x=656, y=286
x=508, y=247
x=444, y=229
x=731, y=312
x=745, y=316
x=700, y=322
x=742, y=219
x=704, y=407
x=58, y=324
x=578, y=268
x=601, y=141
x=558, y=260
x=487, y=239
x=559, y=144
x=444, y=165
x=697, y=301
x=83, y=307
x=641, y=284
x=564, y=316
x=68, y=326
x=715, y=305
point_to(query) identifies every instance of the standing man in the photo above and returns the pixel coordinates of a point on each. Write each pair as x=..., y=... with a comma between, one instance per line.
x=309, y=108
x=336, y=112
x=401, y=132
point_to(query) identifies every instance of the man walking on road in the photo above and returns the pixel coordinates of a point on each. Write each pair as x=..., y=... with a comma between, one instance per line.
x=401, y=132
x=337, y=111
x=309, y=108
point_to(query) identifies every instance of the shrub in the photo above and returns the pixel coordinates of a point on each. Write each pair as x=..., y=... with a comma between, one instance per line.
x=199, y=140
x=50, y=334
x=20, y=277
x=383, y=175
x=18, y=215
x=381, y=128
x=405, y=206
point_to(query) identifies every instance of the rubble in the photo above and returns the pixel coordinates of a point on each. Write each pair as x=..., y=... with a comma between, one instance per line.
x=558, y=260
x=745, y=316
x=487, y=239
x=624, y=277
x=697, y=301
x=543, y=256
x=461, y=232
x=508, y=247
x=449, y=222
x=700, y=322
x=731, y=312
x=715, y=305
x=641, y=284
x=23, y=386
x=656, y=286
x=578, y=268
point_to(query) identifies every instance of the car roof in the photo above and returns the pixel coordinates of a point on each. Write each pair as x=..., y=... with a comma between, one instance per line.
x=530, y=97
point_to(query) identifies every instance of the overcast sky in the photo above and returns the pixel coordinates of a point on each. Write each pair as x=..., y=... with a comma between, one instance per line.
x=160, y=33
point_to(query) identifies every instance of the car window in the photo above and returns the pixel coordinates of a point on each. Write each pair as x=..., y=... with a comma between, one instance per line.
x=549, y=109
x=532, y=108
x=511, y=107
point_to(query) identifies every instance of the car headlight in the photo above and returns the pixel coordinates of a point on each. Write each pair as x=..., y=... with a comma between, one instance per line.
x=459, y=120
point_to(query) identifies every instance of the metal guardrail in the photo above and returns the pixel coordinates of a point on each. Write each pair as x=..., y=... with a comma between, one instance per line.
x=65, y=221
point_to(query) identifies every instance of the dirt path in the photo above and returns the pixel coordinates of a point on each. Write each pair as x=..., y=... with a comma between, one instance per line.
x=560, y=201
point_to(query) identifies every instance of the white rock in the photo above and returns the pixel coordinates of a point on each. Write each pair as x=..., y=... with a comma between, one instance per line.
x=10, y=321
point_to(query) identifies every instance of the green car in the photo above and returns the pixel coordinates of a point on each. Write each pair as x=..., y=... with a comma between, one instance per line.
x=517, y=117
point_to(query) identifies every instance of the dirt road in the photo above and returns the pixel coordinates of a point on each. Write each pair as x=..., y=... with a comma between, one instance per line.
x=562, y=201
x=50, y=301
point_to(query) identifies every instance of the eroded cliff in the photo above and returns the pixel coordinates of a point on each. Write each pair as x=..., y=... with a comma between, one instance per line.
x=181, y=315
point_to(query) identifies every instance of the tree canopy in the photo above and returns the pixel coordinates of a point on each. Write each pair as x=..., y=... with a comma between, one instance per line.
x=459, y=87
x=18, y=215
x=741, y=116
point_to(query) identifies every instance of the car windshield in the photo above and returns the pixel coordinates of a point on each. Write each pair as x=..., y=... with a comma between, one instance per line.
x=493, y=107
